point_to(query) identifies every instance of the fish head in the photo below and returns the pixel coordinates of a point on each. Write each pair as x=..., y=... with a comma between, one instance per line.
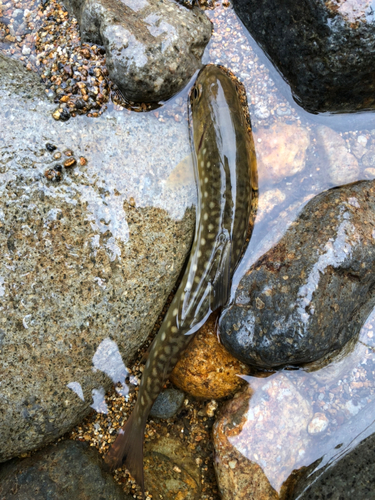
x=212, y=91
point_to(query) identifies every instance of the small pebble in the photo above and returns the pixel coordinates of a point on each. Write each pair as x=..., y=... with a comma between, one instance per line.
x=50, y=147
x=82, y=161
x=70, y=162
x=318, y=424
x=57, y=155
x=167, y=403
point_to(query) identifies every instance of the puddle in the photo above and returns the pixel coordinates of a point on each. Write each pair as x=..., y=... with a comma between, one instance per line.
x=295, y=160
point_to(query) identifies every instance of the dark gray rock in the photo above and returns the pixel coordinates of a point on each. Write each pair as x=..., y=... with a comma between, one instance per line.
x=66, y=471
x=309, y=294
x=324, y=49
x=167, y=403
x=351, y=477
x=87, y=262
x=347, y=470
x=153, y=46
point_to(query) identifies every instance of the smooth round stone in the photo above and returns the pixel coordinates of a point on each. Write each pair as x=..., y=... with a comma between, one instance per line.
x=167, y=403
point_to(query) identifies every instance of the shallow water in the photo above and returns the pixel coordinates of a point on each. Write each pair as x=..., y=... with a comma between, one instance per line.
x=338, y=398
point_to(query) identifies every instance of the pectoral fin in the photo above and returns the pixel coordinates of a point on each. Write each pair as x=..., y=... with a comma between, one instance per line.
x=221, y=283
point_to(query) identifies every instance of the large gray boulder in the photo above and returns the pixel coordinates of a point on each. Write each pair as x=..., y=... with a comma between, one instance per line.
x=310, y=293
x=153, y=46
x=89, y=254
x=324, y=49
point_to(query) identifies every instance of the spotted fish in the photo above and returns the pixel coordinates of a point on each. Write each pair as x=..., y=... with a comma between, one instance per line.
x=223, y=160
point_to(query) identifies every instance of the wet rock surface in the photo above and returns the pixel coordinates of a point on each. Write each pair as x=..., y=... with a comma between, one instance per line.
x=296, y=304
x=324, y=49
x=64, y=471
x=206, y=370
x=167, y=403
x=88, y=260
x=153, y=47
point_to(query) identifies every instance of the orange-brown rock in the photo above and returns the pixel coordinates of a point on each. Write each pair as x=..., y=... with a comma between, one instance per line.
x=281, y=151
x=206, y=369
x=260, y=439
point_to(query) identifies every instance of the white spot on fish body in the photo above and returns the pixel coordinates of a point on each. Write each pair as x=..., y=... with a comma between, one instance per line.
x=203, y=241
x=208, y=164
x=205, y=217
x=174, y=329
x=199, y=253
x=197, y=279
x=205, y=194
x=175, y=311
x=210, y=227
x=194, y=267
x=212, y=204
x=205, y=180
x=163, y=335
x=204, y=151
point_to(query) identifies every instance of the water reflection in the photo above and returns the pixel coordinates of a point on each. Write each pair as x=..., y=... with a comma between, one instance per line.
x=314, y=415
x=107, y=358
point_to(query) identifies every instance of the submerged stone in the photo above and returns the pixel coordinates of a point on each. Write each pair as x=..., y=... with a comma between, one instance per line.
x=87, y=262
x=298, y=433
x=281, y=151
x=167, y=403
x=308, y=295
x=153, y=47
x=324, y=49
x=342, y=167
x=170, y=471
x=64, y=471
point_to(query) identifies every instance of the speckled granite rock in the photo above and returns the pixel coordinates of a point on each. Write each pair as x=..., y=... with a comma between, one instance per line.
x=325, y=49
x=170, y=471
x=87, y=262
x=309, y=294
x=68, y=470
x=153, y=46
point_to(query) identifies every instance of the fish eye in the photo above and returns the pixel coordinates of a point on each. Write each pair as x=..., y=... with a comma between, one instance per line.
x=197, y=91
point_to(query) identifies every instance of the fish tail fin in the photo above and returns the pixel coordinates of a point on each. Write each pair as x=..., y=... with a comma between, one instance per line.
x=127, y=449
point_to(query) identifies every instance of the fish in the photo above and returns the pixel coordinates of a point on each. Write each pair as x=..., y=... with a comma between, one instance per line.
x=224, y=165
